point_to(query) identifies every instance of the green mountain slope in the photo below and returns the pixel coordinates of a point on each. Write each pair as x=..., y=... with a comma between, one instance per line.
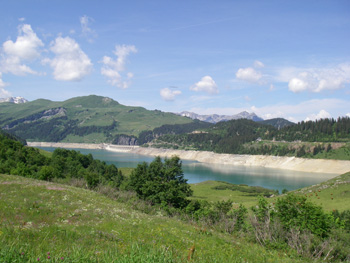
x=90, y=119
x=326, y=138
x=277, y=122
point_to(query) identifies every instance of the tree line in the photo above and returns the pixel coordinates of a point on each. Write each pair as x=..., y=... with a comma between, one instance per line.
x=235, y=137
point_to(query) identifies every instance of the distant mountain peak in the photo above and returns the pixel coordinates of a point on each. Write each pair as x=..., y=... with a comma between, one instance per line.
x=15, y=100
x=214, y=118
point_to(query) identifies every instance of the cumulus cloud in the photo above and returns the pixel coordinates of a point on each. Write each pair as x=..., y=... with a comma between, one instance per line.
x=321, y=115
x=248, y=74
x=114, y=70
x=168, y=94
x=25, y=48
x=348, y=114
x=85, y=21
x=206, y=84
x=317, y=80
x=70, y=62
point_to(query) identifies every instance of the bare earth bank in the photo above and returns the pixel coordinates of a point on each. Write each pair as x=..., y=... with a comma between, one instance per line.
x=288, y=163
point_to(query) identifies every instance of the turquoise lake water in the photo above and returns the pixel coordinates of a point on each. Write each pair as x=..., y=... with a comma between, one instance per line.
x=197, y=172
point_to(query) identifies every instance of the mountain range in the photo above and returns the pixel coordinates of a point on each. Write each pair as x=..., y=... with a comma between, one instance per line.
x=96, y=119
x=88, y=119
x=215, y=118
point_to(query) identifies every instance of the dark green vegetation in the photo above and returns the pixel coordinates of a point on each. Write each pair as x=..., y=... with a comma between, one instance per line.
x=277, y=122
x=161, y=183
x=164, y=226
x=327, y=138
x=15, y=158
x=90, y=119
x=147, y=136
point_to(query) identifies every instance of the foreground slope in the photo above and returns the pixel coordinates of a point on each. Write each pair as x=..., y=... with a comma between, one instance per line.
x=42, y=220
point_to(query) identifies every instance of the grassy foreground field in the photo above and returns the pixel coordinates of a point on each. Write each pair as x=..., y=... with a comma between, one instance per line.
x=50, y=222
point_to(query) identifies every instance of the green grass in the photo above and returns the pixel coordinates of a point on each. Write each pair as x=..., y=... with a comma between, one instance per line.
x=211, y=192
x=332, y=194
x=79, y=225
x=45, y=153
x=90, y=138
x=126, y=170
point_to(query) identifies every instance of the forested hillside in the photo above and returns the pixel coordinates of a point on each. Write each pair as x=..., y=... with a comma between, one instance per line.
x=90, y=119
x=327, y=138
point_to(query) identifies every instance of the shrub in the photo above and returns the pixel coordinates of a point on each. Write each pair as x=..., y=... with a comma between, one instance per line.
x=296, y=212
x=161, y=182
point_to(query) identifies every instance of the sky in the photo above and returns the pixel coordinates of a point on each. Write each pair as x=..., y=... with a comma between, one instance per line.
x=288, y=59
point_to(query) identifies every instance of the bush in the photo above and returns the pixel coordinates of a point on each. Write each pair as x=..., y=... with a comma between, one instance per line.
x=296, y=212
x=161, y=182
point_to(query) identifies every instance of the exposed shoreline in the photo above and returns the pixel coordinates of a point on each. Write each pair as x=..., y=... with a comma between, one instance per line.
x=279, y=162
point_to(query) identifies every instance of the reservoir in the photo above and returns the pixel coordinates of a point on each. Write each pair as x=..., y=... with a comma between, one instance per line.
x=195, y=172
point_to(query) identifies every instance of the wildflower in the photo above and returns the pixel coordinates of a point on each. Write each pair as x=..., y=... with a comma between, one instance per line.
x=62, y=258
x=38, y=259
x=48, y=253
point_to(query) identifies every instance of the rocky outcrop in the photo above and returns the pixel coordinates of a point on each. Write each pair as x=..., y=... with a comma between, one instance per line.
x=125, y=140
x=214, y=118
x=47, y=114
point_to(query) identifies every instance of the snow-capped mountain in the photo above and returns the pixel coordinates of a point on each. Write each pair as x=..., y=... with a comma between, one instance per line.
x=16, y=100
x=214, y=118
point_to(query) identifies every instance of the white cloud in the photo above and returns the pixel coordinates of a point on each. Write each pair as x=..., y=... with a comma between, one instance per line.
x=3, y=93
x=348, y=114
x=248, y=74
x=297, y=85
x=70, y=62
x=26, y=48
x=206, y=84
x=114, y=69
x=258, y=64
x=321, y=115
x=86, y=30
x=168, y=94
x=318, y=79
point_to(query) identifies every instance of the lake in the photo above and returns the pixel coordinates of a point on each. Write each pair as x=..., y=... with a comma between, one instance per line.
x=195, y=172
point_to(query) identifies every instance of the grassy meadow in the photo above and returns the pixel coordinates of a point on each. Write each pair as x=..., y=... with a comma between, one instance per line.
x=333, y=194
x=50, y=222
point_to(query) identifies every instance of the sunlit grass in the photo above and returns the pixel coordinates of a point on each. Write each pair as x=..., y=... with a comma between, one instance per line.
x=41, y=219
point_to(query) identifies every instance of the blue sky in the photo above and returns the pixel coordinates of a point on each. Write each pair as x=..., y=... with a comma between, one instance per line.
x=287, y=59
